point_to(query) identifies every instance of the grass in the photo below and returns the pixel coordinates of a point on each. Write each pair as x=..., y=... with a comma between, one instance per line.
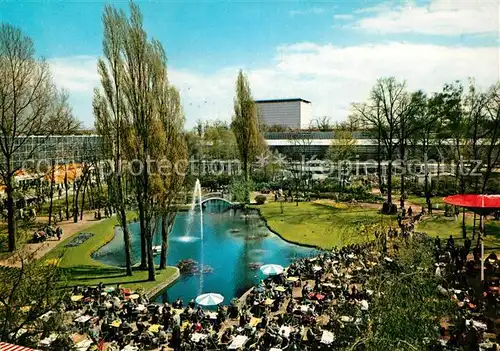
x=439, y=225
x=323, y=224
x=437, y=202
x=81, y=269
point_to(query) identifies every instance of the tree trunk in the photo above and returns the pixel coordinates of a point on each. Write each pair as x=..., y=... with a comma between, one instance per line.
x=75, y=204
x=142, y=220
x=151, y=265
x=121, y=213
x=66, y=190
x=52, y=181
x=389, y=183
x=83, y=200
x=164, y=241
x=11, y=212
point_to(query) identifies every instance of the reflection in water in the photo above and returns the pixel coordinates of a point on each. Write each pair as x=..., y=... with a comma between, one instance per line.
x=233, y=247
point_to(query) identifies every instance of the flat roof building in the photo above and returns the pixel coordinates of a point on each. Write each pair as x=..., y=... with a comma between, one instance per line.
x=290, y=113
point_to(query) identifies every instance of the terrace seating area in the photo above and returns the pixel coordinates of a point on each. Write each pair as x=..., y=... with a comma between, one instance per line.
x=318, y=303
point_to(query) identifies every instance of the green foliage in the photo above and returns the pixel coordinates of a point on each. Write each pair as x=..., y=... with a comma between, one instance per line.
x=407, y=306
x=26, y=293
x=245, y=124
x=240, y=190
x=260, y=199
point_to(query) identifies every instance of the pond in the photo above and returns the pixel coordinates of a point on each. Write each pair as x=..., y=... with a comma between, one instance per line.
x=232, y=249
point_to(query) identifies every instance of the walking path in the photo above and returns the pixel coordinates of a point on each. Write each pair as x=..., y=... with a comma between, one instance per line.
x=40, y=249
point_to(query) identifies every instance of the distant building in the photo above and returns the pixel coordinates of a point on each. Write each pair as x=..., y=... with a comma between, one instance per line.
x=289, y=113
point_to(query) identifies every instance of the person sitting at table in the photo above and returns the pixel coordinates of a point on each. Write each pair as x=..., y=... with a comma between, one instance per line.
x=178, y=303
x=226, y=336
x=191, y=303
x=200, y=313
x=175, y=340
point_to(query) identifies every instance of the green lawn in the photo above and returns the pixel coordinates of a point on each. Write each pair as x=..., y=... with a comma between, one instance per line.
x=439, y=225
x=322, y=224
x=81, y=269
x=437, y=202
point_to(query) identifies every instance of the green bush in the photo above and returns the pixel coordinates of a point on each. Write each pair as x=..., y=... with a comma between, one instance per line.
x=260, y=199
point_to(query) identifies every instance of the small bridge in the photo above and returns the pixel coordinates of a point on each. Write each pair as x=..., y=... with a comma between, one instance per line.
x=214, y=196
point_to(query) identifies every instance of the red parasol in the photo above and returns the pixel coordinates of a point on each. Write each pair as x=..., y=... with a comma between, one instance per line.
x=480, y=204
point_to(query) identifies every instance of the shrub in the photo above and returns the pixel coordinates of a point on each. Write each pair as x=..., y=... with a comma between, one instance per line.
x=260, y=199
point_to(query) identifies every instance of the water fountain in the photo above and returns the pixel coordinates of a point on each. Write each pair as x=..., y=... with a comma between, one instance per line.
x=195, y=200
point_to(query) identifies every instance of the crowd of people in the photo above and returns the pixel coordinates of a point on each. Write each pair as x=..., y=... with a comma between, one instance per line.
x=321, y=302
x=476, y=299
x=318, y=303
x=47, y=233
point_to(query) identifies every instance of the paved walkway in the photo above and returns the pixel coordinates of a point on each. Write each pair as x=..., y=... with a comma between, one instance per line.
x=40, y=249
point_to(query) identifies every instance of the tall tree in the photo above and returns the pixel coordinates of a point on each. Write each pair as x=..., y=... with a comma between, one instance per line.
x=175, y=154
x=425, y=120
x=144, y=75
x=109, y=111
x=245, y=124
x=387, y=104
x=26, y=98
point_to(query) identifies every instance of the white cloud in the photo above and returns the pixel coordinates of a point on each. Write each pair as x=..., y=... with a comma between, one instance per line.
x=343, y=16
x=440, y=17
x=310, y=11
x=332, y=77
x=76, y=74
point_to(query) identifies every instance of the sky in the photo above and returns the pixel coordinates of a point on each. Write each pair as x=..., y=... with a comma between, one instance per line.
x=330, y=53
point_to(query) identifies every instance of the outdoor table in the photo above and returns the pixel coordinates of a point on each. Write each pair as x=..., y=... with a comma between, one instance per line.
x=47, y=341
x=116, y=323
x=286, y=330
x=154, y=328
x=76, y=298
x=346, y=319
x=317, y=268
x=108, y=305
x=130, y=348
x=83, y=345
x=184, y=325
x=211, y=315
x=197, y=337
x=268, y=302
x=280, y=288
x=109, y=289
x=275, y=349
x=292, y=279
x=255, y=321
x=140, y=308
x=134, y=296
x=327, y=337
x=45, y=317
x=328, y=285
x=238, y=342
x=83, y=319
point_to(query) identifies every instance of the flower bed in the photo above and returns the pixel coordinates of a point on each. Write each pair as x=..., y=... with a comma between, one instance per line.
x=79, y=239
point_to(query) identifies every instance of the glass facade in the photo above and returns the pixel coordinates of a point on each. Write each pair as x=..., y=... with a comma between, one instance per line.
x=34, y=150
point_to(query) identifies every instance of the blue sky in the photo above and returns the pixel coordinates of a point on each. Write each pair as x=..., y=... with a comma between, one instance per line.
x=327, y=52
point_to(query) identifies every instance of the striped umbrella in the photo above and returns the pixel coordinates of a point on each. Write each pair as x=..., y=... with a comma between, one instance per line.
x=9, y=347
x=271, y=269
x=209, y=299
